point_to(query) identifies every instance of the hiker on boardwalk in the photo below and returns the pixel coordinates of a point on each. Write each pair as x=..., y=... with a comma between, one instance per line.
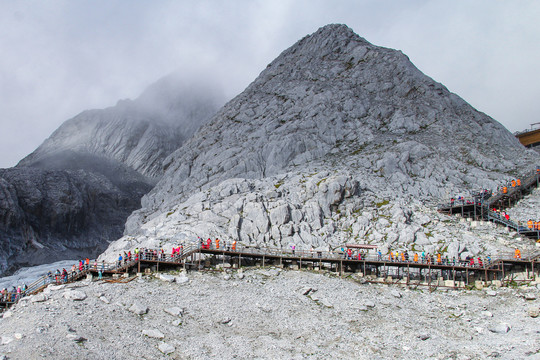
x=101, y=270
x=517, y=254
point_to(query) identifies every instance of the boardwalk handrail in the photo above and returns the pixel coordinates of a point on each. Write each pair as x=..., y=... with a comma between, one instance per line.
x=154, y=255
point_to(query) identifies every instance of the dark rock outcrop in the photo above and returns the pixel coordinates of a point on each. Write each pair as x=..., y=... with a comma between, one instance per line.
x=73, y=194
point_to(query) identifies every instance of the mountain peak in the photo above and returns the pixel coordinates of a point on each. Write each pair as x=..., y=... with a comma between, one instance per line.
x=333, y=128
x=340, y=31
x=333, y=95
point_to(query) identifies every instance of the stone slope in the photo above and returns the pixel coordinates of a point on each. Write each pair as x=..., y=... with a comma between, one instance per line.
x=263, y=314
x=330, y=131
x=73, y=194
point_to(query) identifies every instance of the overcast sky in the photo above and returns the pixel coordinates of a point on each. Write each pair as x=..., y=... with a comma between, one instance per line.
x=58, y=58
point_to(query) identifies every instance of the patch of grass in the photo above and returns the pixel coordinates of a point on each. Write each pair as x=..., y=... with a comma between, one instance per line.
x=359, y=149
x=382, y=203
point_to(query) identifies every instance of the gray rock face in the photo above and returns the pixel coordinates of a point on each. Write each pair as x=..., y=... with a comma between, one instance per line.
x=333, y=134
x=73, y=194
x=46, y=216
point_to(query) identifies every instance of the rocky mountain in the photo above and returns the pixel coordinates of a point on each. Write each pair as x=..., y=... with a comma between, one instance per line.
x=337, y=140
x=138, y=133
x=73, y=194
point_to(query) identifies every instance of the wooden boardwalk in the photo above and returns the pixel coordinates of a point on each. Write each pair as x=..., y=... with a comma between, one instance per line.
x=373, y=267
x=481, y=207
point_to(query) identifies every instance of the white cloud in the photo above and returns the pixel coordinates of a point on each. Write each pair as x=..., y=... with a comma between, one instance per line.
x=60, y=58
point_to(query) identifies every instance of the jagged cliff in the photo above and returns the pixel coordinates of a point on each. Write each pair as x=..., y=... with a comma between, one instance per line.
x=73, y=194
x=336, y=140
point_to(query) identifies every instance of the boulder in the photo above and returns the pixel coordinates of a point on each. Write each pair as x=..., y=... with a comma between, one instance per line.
x=174, y=311
x=39, y=298
x=75, y=295
x=305, y=290
x=75, y=338
x=181, y=279
x=138, y=308
x=369, y=303
x=166, y=277
x=500, y=328
x=326, y=302
x=153, y=333
x=486, y=314
x=533, y=311
x=6, y=340
x=166, y=348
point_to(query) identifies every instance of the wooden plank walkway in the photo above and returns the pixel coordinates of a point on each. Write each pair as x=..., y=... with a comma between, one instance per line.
x=481, y=207
x=195, y=257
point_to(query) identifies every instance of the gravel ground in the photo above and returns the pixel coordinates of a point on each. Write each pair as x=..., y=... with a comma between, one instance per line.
x=270, y=314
